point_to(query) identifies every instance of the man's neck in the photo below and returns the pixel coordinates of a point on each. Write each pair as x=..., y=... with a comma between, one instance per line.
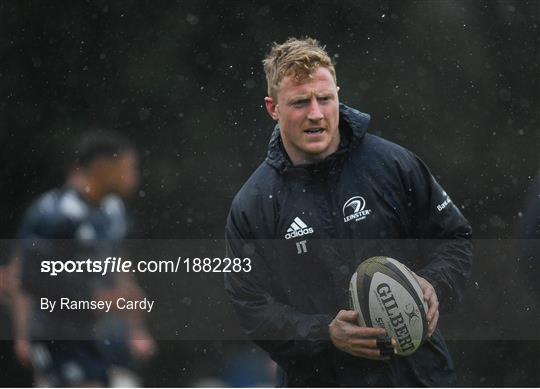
x=87, y=187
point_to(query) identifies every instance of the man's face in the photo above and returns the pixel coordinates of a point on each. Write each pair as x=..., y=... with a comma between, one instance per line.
x=122, y=174
x=308, y=116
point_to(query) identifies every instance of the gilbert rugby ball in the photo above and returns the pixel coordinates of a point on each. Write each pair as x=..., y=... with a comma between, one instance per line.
x=385, y=294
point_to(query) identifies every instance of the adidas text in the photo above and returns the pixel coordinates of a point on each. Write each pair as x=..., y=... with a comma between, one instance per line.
x=297, y=233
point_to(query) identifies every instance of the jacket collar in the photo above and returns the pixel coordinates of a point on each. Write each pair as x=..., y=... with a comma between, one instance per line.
x=353, y=126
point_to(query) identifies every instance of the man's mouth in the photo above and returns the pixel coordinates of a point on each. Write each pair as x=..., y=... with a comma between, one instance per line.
x=314, y=131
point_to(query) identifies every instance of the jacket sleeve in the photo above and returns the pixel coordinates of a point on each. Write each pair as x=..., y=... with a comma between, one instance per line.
x=280, y=329
x=445, y=235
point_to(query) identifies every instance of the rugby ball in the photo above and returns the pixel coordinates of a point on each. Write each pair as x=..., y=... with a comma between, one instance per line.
x=386, y=294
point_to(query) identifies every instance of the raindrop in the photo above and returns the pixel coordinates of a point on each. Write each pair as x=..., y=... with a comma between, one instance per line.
x=144, y=113
x=36, y=62
x=192, y=19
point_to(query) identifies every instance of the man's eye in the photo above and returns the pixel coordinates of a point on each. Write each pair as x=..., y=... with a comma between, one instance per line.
x=324, y=99
x=299, y=104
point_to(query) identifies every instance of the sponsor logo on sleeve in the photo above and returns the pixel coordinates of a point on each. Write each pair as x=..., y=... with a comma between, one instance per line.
x=445, y=203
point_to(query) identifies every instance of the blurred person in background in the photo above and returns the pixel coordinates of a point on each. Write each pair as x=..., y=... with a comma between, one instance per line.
x=5, y=278
x=86, y=218
x=12, y=373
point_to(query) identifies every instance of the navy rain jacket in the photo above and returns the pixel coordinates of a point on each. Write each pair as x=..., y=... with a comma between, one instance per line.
x=307, y=228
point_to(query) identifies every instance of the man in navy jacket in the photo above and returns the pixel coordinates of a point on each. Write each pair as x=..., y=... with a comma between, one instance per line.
x=328, y=196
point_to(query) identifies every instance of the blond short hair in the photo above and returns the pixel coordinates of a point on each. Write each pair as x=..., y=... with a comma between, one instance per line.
x=299, y=57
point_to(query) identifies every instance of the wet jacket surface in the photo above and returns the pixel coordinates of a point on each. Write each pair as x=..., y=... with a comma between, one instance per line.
x=307, y=228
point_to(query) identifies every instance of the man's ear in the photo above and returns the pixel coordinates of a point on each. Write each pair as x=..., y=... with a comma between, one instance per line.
x=271, y=108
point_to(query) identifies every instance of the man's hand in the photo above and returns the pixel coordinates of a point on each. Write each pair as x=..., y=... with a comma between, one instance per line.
x=22, y=351
x=355, y=340
x=142, y=345
x=3, y=279
x=430, y=297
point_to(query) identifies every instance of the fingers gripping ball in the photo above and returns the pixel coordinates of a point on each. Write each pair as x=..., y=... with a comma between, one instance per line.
x=385, y=294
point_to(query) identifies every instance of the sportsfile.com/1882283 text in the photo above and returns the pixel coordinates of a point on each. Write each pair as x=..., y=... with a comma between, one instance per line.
x=119, y=265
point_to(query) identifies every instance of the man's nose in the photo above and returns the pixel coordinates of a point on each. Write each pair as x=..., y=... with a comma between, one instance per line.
x=314, y=110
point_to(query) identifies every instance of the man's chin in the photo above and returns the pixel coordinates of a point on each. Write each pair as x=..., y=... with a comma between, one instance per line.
x=317, y=153
x=317, y=147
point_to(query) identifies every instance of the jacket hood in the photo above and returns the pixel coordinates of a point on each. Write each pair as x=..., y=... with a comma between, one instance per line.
x=353, y=126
